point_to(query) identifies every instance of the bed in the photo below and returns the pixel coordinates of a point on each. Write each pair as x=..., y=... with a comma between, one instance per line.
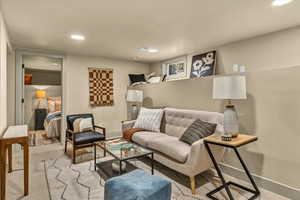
x=52, y=124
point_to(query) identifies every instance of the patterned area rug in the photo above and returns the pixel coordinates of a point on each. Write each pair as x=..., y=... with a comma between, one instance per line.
x=80, y=181
x=37, y=138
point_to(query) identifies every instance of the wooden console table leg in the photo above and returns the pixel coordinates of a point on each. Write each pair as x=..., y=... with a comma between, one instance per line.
x=9, y=158
x=26, y=168
x=2, y=170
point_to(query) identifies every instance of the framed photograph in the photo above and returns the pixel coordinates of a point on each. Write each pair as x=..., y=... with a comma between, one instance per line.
x=203, y=65
x=175, y=69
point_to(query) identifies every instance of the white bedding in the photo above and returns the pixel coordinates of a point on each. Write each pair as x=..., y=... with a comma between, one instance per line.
x=53, y=127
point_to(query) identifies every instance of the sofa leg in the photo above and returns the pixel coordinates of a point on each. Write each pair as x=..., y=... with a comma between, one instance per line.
x=193, y=184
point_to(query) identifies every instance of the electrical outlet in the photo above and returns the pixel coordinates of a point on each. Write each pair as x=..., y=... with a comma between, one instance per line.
x=243, y=68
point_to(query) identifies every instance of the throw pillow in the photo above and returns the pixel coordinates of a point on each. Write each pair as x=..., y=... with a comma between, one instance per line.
x=127, y=135
x=82, y=124
x=197, y=130
x=149, y=119
x=136, y=78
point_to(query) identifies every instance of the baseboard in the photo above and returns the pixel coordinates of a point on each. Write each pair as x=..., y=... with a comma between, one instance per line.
x=268, y=184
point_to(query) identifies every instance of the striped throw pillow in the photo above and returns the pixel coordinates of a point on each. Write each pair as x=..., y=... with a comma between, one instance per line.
x=197, y=130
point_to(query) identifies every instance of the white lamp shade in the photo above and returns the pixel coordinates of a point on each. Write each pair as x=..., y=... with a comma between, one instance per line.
x=229, y=87
x=134, y=96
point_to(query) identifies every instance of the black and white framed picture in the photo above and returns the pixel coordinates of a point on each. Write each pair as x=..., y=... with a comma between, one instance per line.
x=203, y=65
x=175, y=69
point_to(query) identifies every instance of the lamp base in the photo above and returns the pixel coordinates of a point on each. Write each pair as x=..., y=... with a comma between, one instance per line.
x=231, y=124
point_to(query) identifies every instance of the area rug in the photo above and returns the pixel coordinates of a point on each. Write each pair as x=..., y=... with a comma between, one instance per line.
x=38, y=138
x=79, y=181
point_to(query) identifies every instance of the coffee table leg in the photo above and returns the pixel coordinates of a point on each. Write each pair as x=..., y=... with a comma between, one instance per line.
x=152, y=164
x=95, y=157
x=120, y=165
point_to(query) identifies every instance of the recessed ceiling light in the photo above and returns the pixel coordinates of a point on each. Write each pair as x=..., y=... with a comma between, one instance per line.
x=77, y=37
x=281, y=2
x=146, y=49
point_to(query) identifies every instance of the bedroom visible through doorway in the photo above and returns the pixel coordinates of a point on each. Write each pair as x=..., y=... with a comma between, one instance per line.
x=42, y=98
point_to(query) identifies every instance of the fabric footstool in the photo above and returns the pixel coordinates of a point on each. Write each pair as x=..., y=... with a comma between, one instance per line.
x=137, y=185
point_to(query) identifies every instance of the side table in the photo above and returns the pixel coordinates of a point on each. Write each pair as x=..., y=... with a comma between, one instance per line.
x=233, y=144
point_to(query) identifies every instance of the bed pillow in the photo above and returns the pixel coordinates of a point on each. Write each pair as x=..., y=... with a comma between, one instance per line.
x=197, y=130
x=149, y=119
x=135, y=78
x=51, y=105
x=82, y=124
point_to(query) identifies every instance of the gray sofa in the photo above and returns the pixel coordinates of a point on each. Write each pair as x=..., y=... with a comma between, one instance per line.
x=189, y=160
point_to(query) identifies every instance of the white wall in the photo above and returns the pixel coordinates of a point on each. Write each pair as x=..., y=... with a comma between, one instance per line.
x=76, y=89
x=4, y=42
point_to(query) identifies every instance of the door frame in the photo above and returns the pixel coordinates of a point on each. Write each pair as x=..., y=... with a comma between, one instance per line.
x=19, y=112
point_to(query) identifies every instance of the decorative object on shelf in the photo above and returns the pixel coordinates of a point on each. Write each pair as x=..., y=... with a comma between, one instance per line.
x=40, y=94
x=175, y=69
x=228, y=88
x=101, y=87
x=203, y=65
x=136, y=79
x=28, y=79
x=134, y=97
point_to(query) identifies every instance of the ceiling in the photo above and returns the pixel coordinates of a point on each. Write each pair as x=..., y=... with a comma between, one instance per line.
x=115, y=28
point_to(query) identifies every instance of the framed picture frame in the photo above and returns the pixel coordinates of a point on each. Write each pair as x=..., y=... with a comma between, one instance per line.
x=203, y=64
x=175, y=69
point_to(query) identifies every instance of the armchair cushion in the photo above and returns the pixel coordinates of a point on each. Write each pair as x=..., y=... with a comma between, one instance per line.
x=88, y=137
x=72, y=118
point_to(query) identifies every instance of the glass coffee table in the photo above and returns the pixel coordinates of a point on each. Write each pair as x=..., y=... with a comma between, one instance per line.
x=123, y=151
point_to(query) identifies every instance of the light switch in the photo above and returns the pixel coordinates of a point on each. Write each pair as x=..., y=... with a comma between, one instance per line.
x=235, y=68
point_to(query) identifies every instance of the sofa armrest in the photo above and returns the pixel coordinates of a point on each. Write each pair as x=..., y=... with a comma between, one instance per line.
x=126, y=125
x=199, y=156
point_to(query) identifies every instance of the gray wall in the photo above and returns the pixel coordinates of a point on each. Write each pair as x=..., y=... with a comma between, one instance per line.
x=271, y=110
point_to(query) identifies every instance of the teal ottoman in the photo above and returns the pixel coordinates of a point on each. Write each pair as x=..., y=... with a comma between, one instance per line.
x=137, y=185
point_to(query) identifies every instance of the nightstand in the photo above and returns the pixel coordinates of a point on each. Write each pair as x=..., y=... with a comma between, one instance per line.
x=234, y=144
x=40, y=116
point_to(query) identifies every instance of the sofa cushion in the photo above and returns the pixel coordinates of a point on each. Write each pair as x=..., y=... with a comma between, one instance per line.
x=171, y=146
x=176, y=121
x=197, y=130
x=88, y=137
x=149, y=119
x=144, y=137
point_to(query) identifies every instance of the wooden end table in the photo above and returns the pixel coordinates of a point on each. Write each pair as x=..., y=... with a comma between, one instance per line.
x=233, y=144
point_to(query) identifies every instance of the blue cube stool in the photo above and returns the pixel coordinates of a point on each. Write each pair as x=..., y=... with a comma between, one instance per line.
x=137, y=185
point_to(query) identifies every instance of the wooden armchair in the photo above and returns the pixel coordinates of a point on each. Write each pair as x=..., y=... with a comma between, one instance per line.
x=82, y=139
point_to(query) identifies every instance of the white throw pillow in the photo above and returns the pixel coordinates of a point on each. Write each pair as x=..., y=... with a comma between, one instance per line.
x=149, y=119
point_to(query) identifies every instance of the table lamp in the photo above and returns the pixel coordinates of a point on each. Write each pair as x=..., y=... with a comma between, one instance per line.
x=229, y=88
x=39, y=94
x=134, y=96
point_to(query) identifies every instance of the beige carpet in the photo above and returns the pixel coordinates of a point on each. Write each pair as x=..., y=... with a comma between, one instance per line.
x=80, y=181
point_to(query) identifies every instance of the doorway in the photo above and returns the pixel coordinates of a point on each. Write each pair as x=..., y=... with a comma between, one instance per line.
x=39, y=96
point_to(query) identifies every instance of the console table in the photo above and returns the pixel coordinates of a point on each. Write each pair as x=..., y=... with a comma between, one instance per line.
x=13, y=135
x=237, y=142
